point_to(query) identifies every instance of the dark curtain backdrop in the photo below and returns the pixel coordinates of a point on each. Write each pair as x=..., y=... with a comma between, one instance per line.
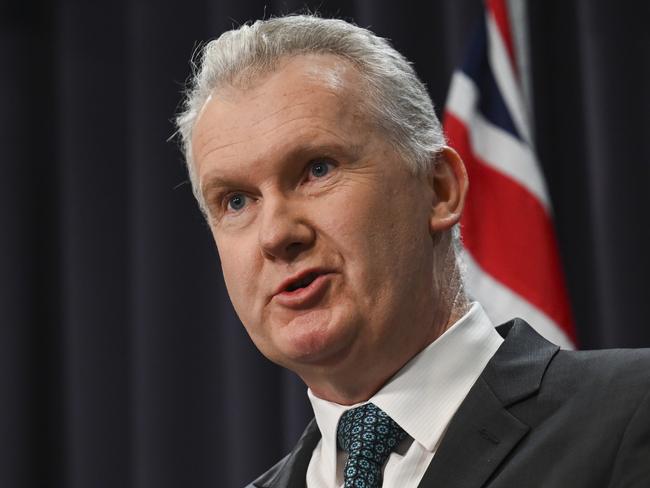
x=122, y=363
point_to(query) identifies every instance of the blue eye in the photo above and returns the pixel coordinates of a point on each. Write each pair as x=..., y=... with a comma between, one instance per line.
x=319, y=169
x=237, y=201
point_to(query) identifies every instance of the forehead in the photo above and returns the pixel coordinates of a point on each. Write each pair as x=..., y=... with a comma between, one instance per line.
x=307, y=98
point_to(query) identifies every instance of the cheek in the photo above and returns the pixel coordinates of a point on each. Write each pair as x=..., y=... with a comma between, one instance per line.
x=345, y=220
x=393, y=242
x=363, y=233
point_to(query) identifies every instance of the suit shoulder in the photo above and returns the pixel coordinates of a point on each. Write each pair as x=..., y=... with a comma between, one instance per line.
x=631, y=362
x=589, y=397
x=620, y=371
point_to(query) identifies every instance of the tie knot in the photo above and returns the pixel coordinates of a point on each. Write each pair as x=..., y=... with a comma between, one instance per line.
x=368, y=433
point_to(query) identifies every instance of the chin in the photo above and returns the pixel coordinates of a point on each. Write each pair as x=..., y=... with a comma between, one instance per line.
x=314, y=339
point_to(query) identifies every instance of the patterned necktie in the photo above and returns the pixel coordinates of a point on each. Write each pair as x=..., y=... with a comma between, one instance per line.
x=368, y=435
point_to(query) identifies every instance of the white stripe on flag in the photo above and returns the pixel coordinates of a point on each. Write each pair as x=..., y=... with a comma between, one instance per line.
x=494, y=146
x=506, y=79
x=502, y=304
x=463, y=96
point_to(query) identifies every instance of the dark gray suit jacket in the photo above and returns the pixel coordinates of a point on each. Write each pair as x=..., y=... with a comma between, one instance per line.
x=536, y=417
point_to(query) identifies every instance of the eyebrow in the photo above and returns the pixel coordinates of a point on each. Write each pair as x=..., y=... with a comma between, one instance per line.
x=348, y=153
x=216, y=183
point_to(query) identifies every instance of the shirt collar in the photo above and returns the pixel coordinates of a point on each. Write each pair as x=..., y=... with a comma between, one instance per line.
x=424, y=395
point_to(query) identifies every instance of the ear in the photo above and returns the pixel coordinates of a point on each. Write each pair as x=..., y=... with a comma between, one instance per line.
x=448, y=179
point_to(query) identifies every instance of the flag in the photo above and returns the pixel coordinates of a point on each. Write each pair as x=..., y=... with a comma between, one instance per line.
x=510, y=249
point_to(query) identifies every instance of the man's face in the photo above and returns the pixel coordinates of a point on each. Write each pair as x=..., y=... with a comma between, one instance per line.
x=322, y=230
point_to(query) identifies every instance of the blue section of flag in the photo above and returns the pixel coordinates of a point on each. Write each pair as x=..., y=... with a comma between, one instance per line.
x=477, y=67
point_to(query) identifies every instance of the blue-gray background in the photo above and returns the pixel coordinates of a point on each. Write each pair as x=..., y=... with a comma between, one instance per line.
x=121, y=361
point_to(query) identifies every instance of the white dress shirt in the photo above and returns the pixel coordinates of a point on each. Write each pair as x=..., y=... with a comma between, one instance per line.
x=422, y=398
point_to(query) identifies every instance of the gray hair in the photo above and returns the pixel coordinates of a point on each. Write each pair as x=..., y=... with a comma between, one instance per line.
x=397, y=100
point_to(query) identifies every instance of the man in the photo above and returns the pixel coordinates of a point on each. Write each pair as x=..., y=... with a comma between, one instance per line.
x=315, y=153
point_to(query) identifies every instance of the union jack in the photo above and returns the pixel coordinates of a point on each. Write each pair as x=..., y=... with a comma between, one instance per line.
x=510, y=247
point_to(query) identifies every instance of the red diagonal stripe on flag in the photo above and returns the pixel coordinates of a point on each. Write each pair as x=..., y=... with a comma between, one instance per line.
x=515, y=243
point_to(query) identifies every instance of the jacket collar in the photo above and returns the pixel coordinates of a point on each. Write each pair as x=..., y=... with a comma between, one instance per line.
x=482, y=432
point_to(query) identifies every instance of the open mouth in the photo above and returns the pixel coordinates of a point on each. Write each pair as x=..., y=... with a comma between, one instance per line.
x=303, y=290
x=303, y=282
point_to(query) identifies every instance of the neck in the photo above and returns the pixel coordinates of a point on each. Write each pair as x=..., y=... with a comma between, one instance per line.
x=345, y=388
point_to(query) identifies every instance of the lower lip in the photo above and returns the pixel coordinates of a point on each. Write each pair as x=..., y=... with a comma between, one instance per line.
x=305, y=297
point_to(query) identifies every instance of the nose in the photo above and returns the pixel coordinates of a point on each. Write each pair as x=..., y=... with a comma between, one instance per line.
x=284, y=232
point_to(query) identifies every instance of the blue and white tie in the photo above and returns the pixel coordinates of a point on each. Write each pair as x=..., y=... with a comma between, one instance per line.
x=368, y=435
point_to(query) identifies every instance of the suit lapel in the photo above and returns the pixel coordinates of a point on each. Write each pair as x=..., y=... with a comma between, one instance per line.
x=483, y=432
x=291, y=472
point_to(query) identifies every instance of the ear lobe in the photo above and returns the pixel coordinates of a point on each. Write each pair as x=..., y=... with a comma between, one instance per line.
x=448, y=179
